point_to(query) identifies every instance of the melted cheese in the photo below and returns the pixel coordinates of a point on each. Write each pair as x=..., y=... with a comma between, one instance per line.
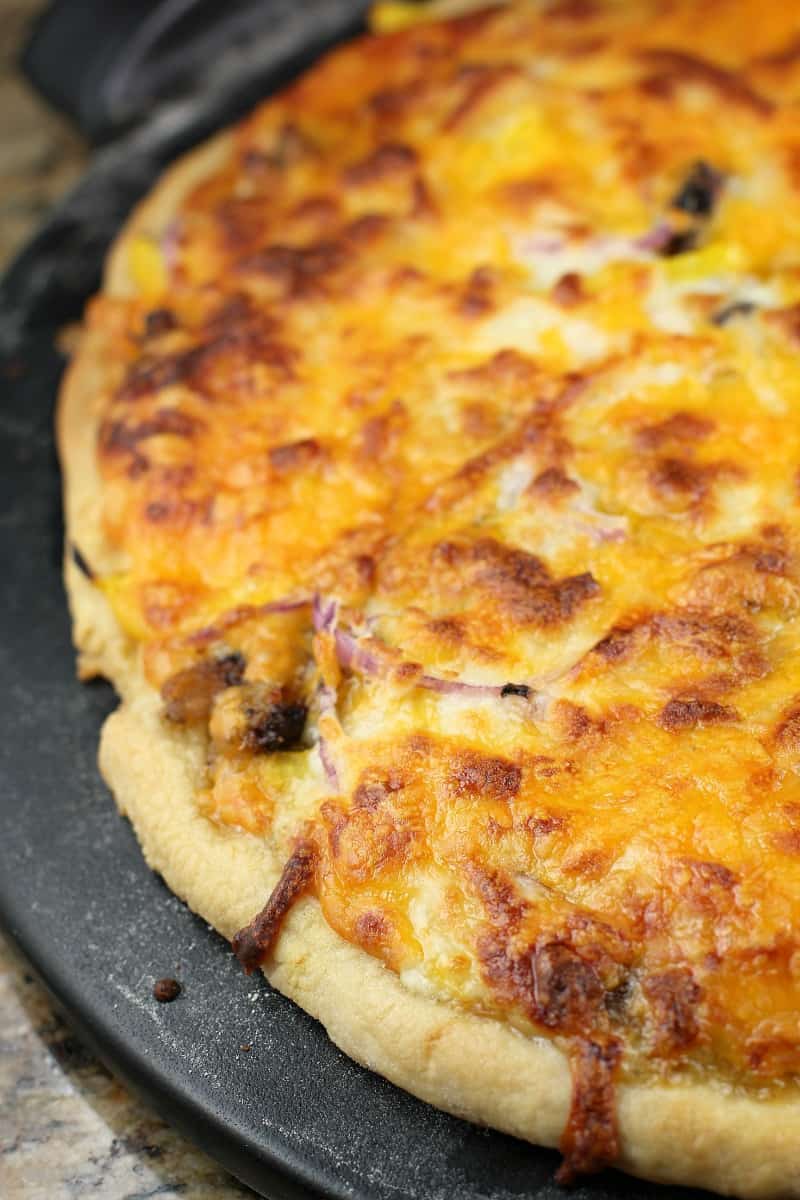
x=418, y=349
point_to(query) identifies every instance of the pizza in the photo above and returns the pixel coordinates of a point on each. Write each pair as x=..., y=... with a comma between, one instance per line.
x=433, y=501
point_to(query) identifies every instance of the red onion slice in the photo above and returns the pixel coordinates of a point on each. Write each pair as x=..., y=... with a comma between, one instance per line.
x=328, y=765
x=170, y=244
x=655, y=239
x=324, y=611
x=358, y=658
x=326, y=697
x=284, y=606
x=457, y=687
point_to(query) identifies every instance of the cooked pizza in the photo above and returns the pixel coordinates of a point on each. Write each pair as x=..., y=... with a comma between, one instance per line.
x=432, y=468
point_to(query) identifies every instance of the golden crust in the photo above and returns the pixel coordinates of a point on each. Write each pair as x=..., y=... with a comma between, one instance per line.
x=476, y=1066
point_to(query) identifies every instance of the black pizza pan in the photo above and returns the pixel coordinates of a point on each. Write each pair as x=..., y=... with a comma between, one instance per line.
x=231, y=1063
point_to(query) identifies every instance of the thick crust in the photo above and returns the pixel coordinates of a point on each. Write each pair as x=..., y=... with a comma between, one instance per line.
x=688, y=1132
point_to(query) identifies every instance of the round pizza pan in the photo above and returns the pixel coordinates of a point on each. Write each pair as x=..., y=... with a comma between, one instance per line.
x=235, y=1066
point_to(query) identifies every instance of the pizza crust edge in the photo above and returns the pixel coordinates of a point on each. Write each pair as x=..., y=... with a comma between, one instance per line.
x=687, y=1132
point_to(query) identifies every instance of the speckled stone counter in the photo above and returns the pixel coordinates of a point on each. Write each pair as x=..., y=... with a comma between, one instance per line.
x=40, y=155
x=67, y=1129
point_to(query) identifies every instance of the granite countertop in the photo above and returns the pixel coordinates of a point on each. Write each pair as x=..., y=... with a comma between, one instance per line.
x=67, y=1128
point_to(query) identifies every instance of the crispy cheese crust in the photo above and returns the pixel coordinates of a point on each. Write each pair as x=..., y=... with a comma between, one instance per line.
x=450, y=485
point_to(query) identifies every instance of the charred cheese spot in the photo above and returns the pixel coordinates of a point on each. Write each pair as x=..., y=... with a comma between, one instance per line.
x=568, y=290
x=542, y=827
x=387, y=162
x=683, y=427
x=298, y=271
x=681, y=481
x=787, y=731
x=674, y=998
x=677, y=68
x=252, y=944
x=158, y=322
x=686, y=713
x=476, y=298
x=590, y=1140
x=591, y=864
x=618, y=643
x=567, y=991
x=516, y=580
x=553, y=483
x=495, y=778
